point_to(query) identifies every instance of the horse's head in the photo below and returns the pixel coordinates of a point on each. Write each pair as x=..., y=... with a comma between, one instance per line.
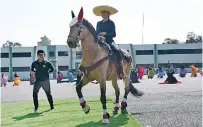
x=77, y=30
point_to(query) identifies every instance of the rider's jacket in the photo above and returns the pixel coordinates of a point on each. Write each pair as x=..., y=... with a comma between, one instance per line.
x=108, y=27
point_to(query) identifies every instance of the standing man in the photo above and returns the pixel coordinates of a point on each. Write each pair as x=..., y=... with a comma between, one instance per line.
x=42, y=68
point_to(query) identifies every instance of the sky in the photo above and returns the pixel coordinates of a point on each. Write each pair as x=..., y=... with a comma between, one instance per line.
x=25, y=21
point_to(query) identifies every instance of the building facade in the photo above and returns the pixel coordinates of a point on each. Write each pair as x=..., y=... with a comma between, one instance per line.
x=18, y=59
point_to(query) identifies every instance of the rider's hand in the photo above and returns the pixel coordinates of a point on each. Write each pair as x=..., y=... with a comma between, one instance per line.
x=103, y=33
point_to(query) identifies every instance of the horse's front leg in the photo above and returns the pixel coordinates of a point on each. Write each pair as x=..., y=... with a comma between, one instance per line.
x=103, y=101
x=83, y=103
x=117, y=92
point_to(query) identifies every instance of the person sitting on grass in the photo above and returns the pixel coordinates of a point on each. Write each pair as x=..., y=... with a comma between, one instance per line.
x=70, y=76
x=171, y=79
x=133, y=76
x=16, y=81
x=183, y=71
x=59, y=77
x=141, y=72
x=4, y=80
x=161, y=72
x=151, y=72
x=194, y=70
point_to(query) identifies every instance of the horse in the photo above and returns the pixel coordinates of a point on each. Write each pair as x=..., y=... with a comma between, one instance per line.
x=97, y=64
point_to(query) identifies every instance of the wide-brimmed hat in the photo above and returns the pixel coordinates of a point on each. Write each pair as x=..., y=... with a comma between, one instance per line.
x=97, y=10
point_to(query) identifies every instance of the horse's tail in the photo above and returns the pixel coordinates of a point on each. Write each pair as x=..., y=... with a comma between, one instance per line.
x=134, y=91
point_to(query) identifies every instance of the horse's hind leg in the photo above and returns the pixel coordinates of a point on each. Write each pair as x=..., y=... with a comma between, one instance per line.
x=117, y=92
x=103, y=101
x=83, y=103
x=124, y=101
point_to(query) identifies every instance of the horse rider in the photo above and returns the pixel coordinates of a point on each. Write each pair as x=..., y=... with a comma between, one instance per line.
x=106, y=28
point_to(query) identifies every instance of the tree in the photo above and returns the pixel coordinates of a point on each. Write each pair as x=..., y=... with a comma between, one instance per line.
x=11, y=44
x=199, y=39
x=171, y=41
x=193, y=38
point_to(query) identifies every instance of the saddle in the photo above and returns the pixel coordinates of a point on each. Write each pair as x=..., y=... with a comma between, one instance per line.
x=111, y=55
x=125, y=54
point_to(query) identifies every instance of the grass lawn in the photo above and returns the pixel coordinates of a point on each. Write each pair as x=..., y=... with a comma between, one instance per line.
x=67, y=113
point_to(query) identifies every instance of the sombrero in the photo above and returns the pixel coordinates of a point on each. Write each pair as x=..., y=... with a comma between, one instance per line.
x=97, y=10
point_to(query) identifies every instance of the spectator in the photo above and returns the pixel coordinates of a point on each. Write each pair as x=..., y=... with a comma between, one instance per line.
x=59, y=77
x=4, y=80
x=42, y=68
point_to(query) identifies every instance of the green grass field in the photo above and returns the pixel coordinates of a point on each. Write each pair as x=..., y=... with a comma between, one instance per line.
x=67, y=113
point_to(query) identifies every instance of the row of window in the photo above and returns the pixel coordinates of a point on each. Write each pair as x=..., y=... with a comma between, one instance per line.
x=169, y=51
x=24, y=69
x=180, y=51
x=138, y=52
x=60, y=53
x=17, y=54
x=15, y=69
x=28, y=54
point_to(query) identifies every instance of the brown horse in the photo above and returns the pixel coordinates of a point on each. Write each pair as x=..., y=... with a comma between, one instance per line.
x=97, y=64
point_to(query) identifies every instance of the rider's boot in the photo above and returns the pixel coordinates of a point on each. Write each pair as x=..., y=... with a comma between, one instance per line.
x=120, y=65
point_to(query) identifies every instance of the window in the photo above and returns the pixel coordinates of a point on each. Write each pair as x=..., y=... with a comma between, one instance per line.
x=21, y=69
x=144, y=52
x=4, y=55
x=177, y=65
x=180, y=51
x=22, y=54
x=78, y=54
x=62, y=53
x=51, y=54
x=4, y=69
x=63, y=68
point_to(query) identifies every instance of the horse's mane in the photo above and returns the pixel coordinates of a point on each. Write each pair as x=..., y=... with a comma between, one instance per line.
x=91, y=29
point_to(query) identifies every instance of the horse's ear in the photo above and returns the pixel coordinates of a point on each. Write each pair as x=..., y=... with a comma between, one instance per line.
x=73, y=15
x=80, y=15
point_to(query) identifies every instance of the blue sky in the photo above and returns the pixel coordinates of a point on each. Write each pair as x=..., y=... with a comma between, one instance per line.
x=26, y=21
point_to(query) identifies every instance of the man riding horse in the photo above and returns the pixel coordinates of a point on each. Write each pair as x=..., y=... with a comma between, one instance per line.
x=106, y=29
x=96, y=63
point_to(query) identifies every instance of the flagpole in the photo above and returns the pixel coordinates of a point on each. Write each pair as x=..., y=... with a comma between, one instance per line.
x=143, y=28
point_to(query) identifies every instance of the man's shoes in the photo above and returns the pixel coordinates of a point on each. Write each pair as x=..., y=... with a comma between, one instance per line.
x=51, y=107
x=36, y=110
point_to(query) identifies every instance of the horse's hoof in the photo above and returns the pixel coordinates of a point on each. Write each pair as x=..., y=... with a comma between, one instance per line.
x=124, y=111
x=86, y=109
x=105, y=121
x=115, y=110
x=106, y=118
x=123, y=107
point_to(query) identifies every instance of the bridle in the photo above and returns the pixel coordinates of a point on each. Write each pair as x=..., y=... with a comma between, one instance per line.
x=77, y=38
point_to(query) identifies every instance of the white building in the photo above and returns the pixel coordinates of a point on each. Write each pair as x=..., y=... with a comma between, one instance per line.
x=18, y=60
